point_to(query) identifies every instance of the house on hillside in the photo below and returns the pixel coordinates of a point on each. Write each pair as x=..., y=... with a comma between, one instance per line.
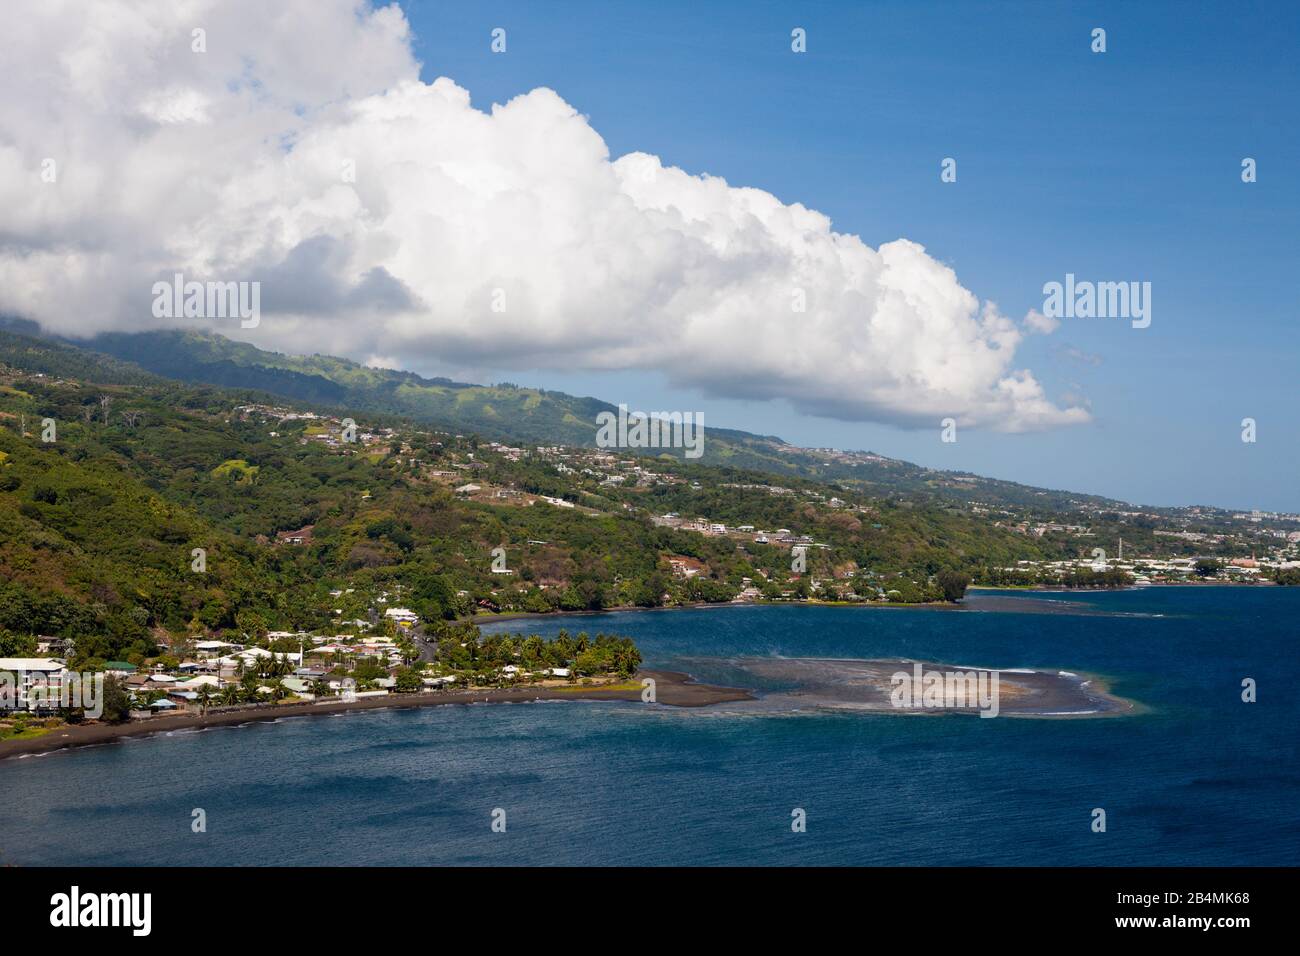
x=404, y=617
x=53, y=647
x=300, y=537
x=684, y=567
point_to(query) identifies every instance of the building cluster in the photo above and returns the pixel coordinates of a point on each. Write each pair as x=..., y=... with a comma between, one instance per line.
x=745, y=532
x=219, y=673
x=209, y=667
x=1166, y=570
x=327, y=430
x=607, y=470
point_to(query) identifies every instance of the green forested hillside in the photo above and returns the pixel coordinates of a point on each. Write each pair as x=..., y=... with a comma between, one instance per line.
x=98, y=527
x=87, y=551
x=532, y=416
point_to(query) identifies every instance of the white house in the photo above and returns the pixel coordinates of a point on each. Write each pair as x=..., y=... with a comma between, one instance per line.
x=402, y=615
x=31, y=683
x=194, y=683
x=206, y=649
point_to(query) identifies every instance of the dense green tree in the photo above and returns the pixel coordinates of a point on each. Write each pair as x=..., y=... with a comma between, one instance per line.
x=953, y=584
x=16, y=645
x=408, y=680
x=117, y=703
x=1207, y=567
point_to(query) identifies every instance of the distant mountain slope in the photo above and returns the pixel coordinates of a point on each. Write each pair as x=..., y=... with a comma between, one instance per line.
x=60, y=360
x=503, y=413
x=533, y=416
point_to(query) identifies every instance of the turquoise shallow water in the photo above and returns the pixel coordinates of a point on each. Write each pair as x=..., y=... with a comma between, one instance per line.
x=1201, y=778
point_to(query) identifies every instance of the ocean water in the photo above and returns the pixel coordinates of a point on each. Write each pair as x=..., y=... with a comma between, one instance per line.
x=1198, y=778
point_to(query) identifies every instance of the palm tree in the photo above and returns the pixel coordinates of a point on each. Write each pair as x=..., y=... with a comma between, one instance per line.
x=205, y=694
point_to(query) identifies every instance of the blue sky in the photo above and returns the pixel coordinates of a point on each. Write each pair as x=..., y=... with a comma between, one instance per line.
x=1115, y=166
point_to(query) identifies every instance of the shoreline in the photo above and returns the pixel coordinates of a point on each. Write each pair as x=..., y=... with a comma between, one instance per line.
x=492, y=619
x=484, y=620
x=672, y=689
x=1061, y=589
x=1055, y=694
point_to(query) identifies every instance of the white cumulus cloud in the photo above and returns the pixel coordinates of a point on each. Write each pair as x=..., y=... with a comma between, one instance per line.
x=1035, y=321
x=390, y=220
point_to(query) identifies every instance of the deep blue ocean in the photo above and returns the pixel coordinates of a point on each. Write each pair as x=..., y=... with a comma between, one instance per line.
x=1199, y=778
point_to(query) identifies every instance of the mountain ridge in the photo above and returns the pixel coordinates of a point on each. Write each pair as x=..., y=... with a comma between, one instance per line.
x=533, y=416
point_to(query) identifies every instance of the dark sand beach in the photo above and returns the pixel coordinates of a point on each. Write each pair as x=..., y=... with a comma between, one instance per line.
x=860, y=685
x=672, y=688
